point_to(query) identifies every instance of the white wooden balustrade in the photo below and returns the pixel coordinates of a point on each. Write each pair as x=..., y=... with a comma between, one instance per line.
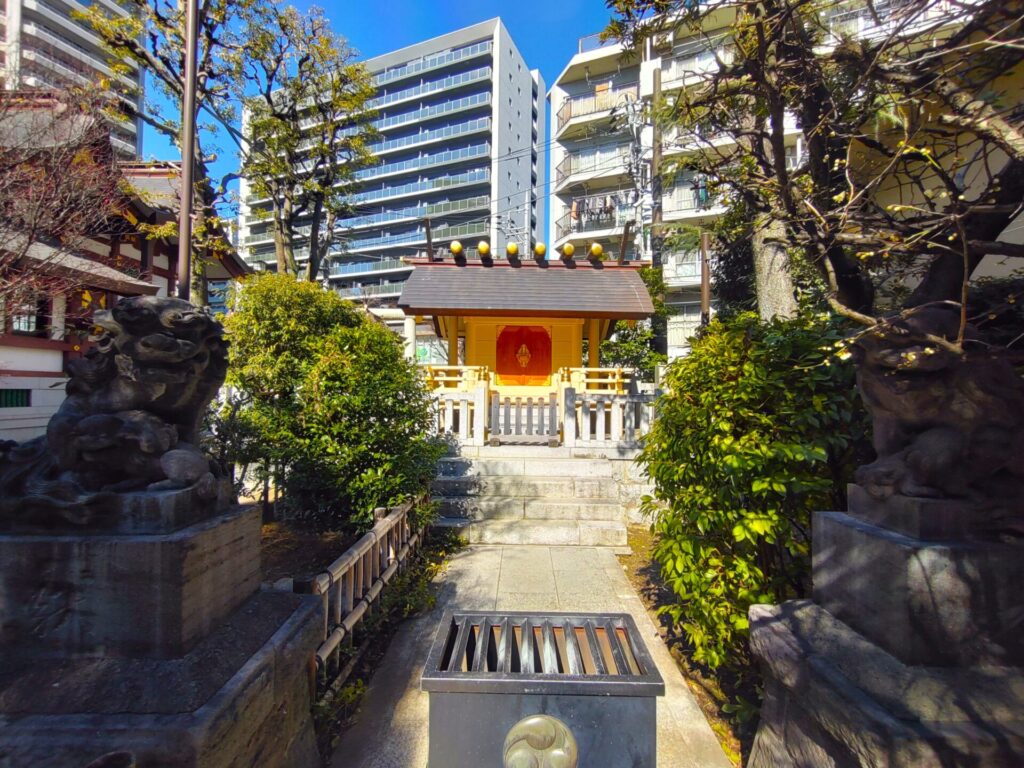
x=606, y=420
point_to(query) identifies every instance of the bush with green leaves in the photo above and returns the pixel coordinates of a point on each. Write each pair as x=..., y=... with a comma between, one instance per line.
x=324, y=393
x=761, y=426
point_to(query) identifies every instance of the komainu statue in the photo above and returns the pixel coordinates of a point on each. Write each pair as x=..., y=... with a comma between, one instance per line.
x=946, y=424
x=131, y=419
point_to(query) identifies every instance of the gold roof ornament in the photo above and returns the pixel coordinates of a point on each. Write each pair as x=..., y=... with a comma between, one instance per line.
x=484, y=249
x=512, y=250
x=568, y=250
x=455, y=248
x=540, y=250
x=596, y=251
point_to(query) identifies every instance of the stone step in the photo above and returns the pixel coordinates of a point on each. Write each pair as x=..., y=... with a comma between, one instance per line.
x=516, y=508
x=584, y=533
x=457, y=466
x=561, y=488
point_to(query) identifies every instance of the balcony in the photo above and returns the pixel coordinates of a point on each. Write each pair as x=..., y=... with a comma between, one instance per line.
x=385, y=290
x=435, y=61
x=597, y=103
x=888, y=17
x=681, y=270
x=425, y=137
x=592, y=164
x=595, y=214
x=452, y=81
x=74, y=50
x=692, y=63
x=417, y=212
x=424, y=113
x=417, y=237
x=368, y=267
x=687, y=199
x=426, y=161
x=477, y=176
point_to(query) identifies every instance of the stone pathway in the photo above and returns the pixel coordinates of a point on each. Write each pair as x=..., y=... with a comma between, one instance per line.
x=391, y=729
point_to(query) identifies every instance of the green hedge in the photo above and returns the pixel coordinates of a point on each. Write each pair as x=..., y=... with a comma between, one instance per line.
x=761, y=426
x=324, y=395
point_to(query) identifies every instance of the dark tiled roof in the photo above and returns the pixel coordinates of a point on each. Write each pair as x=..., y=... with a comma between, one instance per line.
x=552, y=289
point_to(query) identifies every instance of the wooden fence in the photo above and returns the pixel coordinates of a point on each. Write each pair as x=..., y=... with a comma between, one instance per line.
x=599, y=420
x=352, y=584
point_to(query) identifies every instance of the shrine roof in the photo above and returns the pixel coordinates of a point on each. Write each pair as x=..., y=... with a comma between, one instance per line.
x=526, y=289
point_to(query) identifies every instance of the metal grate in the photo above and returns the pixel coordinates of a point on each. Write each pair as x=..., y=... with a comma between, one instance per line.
x=15, y=398
x=591, y=653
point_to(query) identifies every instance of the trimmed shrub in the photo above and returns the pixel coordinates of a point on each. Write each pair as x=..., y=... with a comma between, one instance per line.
x=761, y=426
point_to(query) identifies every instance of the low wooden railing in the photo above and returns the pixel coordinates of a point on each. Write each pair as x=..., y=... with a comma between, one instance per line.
x=606, y=421
x=615, y=381
x=352, y=584
x=462, y=414
x=454, y=376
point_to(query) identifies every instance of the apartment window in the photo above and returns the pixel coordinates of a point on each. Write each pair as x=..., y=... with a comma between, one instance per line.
x=15, y=398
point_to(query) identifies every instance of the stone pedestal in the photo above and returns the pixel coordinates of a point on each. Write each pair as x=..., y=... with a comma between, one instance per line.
x=149, y=634
x=911, y=652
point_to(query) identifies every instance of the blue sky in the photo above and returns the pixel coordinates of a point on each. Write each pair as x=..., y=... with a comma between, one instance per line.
x=546, y=32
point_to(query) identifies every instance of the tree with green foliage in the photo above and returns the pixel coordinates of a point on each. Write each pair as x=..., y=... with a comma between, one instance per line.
x=324, y=393
x=761, y=425
x=307, y=124
x=635, y=346
x=307, y=100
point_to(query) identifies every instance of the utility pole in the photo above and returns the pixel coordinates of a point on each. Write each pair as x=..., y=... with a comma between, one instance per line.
x=656, y=175
x=430, y=238
x=705, y=278
x=624, y=242
x=188, y=151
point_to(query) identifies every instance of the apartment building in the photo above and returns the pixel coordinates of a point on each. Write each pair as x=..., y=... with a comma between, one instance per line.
x=44, y=47
x=602, y=151
x=461, y=119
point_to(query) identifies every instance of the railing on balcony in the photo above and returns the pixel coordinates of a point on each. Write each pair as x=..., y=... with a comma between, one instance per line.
x=368, y=266
x=687, y=196
x=431, y=62
x=369, y=291
x=429, y=185
x=592, y=103
x=594, y=213
x=681, y=268
x=856, y=19
x=596, y=161
x=594, y=42
x=471, y=229
x=426, y=161
x=417, y=212
x=483, y=73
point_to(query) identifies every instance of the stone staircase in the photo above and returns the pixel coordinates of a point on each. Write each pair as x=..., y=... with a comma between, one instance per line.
x=536, y=495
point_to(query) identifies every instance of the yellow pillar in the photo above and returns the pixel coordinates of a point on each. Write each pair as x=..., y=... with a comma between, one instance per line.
x=453, y=340
x=594, y=339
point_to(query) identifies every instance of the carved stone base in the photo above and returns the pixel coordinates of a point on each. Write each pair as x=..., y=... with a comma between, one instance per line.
x=833, y=699
x=142, y=594
x=241, y=697
x=936, y=603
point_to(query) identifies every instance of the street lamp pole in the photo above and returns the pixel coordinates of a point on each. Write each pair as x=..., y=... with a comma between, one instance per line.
x=188, y=144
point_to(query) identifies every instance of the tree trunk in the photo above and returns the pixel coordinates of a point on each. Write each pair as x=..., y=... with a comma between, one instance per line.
x=773, y=283
x=315, y=249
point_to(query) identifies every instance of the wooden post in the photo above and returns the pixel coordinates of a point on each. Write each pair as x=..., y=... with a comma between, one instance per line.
x=569, y=418
x=624, y=243
x=453, y=340
x=594, y=336
x=480, y=415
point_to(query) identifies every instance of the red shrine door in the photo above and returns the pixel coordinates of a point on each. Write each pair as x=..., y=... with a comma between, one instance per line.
x=524, y=355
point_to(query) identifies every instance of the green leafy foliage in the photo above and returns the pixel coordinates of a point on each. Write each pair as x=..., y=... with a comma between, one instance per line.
x=761, y=426
x=329, y=399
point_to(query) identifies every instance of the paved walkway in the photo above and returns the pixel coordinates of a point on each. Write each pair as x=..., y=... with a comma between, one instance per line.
x=391, y=730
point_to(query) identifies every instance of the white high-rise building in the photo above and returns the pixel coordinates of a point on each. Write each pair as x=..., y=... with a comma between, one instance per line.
x=44, y=47
x=461, y=122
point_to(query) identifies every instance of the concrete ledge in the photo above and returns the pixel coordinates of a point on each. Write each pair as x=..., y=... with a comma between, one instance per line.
x=834, y=699
x=86, y=594
x=257, y=714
